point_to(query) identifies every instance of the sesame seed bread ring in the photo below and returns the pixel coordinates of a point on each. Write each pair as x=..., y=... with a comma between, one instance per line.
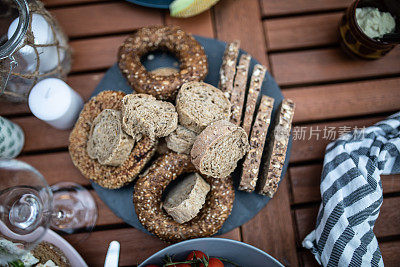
x=106, y=176
x=191, y=55
x=148, y=205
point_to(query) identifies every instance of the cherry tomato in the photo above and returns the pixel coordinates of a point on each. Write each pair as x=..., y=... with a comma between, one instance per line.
x=181, y=265
x=199, y=255
x=213, y=262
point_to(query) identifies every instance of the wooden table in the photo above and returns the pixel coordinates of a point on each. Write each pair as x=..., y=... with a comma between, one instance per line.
x=297, y=40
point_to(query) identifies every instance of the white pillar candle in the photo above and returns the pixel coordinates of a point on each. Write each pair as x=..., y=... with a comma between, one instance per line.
x=54, y=102
x=43, y=35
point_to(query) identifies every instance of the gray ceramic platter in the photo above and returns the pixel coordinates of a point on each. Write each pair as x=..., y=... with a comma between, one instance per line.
x=246, y=205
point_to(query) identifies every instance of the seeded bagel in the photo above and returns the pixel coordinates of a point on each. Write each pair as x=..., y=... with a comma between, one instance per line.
x=191, y=55
x=106, y=176
x=199, y=104
x=147, y=199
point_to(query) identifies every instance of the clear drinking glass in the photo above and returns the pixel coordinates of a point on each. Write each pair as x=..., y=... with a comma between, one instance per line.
x=28, y=206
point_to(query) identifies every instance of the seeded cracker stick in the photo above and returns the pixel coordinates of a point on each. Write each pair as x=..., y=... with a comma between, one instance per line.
x=228, y=68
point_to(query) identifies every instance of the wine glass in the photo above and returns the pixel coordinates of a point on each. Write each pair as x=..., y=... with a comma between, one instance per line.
x=28, y=206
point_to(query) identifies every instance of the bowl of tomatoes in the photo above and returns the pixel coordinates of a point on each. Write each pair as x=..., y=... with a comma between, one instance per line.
x=210, y=252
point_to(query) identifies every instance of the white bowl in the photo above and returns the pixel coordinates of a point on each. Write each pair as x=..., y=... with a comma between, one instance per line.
x=238, y=252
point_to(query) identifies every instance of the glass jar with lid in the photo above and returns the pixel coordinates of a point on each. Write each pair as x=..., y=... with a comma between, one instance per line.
x=33, y=47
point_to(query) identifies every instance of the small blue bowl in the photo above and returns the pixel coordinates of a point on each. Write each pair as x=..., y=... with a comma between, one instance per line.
x=164, y=4
x=240, y=253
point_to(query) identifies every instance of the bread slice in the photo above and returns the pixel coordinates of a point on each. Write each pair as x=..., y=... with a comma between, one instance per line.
x=143, y=114
x=199, y=104
x=181, y=140
x=277, y=151
x=259, y=132
x=46, y=251
x=239, y=89
x=107, y=142
x=218, y=148
x=254, y=90
x=228, y=67
x=187, y=198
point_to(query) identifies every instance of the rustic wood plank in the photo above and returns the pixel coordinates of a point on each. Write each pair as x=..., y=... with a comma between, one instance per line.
x=305, y=182
x=323, y=65
x=95, y=53
x=105, y=18
x=40, y=136
x=347, y=99
x=54, y=3
x=304, y=31
x=308, y=259
x=136, y=246
x=56, y=167
x=312, y=147
x=84, y=84
x=384, y=226
x=275, y=8
x=272, y=228
x=233, y=20
x=390, y=252
x=201, y=24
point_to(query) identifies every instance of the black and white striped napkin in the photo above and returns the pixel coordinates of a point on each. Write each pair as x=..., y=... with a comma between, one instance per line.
x=351, y=191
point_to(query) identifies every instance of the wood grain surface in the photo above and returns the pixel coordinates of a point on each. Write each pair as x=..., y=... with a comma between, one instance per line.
x=297, y=40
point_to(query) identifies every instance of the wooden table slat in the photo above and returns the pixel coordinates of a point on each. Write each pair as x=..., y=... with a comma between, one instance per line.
x=95, y=53
x=387, y=223
x=136, y=246
x=272, y=228
x=343, y=100
x=54, y=3
x=200, y=25
x=275, y=8
x=236, y=21
x=105, y=18
x=324, y=65
x=36, y=132
x=305, y=182
x=304, y=31
x=312, y=145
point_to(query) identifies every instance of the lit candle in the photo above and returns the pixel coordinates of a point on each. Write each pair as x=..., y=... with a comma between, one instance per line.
x=54, y=102
x=43, y=35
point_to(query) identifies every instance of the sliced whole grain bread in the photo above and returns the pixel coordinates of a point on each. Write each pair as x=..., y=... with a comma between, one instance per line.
x=143, y=114
x=228, y=68
x=277, y=149
x=46, y=251
x=199, y=104
x=186, y=199
x=259, y=132
x=218, y=148
x=239, y=89
x=107, y=142
x=181, y=140
x=254, y=90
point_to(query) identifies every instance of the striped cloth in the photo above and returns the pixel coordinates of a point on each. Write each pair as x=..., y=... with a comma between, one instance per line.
x=351, y=191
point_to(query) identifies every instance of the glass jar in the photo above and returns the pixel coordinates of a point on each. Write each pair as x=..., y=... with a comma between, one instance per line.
x=352, y=38
x=33, y=47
